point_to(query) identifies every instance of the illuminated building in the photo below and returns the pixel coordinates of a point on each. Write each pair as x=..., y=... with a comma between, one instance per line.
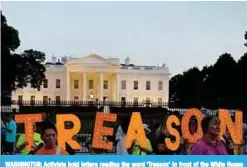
x=94, y=77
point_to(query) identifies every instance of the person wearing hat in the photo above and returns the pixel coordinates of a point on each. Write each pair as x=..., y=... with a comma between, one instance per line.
x=136, y=148
x=210, y=144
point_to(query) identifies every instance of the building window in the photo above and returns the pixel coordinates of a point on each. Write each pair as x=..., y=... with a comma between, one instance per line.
x=20, y=98
x=58, y=83
x=148, y=85
x=123, y=101
x=90, y=84
x=76, y=84
x=105, y=84
x=45, y=83
x=135, y=85
x=159, y=101
x=135, y=101
x=58, y=100
x=76, y=98
x=123, y=85
x=32, y=100
x=160, y=85
x=45, y=100
x=148, y=101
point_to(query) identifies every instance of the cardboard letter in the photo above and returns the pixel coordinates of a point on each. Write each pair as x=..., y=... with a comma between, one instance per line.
x=100, y=131
x=172, y=145
x=65, y=135
x=28, y=120
x=136, y=131
x=185, y=125
x=235, y=129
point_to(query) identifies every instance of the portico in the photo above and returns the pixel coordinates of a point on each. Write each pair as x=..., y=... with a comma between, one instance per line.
x=91, y=78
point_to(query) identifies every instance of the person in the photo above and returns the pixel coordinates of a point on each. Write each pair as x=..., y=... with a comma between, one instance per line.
x=162, y=134
x=210, y=144
x=10, y=135
x=22, y=144
x=193, y=129
x=3, y=132
x=243, y=145
x=49, y=136
x=243, y=148
x=95, y=151
x=152, y=136
x=119, y=134
x=121, y=149
x=232, y=149
x=136, y=148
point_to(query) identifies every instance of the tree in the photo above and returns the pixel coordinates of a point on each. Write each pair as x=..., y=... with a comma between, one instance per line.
x=18, y=70
x=185, y=89
x=221, y=85
x=245, y=37
x=174, y=84
x=220, y=88
x=242, y=82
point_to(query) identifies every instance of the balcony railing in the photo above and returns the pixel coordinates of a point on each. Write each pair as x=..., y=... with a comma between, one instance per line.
x=91, y=103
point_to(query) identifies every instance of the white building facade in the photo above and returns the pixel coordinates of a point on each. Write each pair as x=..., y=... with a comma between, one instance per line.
x=94, y=77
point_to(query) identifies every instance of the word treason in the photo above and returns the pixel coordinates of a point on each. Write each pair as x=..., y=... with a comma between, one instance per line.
x=135, y=131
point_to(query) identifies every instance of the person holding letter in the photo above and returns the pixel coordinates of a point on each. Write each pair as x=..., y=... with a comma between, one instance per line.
x=136, y=148
x=49, y=136
x=162, y=149
x=22, y=143
x=210, y=144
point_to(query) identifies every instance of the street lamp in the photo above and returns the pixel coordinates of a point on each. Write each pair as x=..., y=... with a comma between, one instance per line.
x=91, y=96
x=49, y=100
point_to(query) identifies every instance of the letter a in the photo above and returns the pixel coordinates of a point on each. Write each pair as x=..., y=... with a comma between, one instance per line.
x=136, y=131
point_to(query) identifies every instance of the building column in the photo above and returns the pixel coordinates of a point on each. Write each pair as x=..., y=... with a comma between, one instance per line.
x=166, y=89
x=84, y=86
x=117, y=87
x=68, y=85
x=101, y=87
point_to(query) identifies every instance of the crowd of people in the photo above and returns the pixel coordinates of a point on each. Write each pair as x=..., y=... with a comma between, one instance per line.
x=45, y=139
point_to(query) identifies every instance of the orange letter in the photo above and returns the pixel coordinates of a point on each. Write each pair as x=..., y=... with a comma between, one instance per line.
x=136, y=131
x=185, y=125
x=28, y=120
x=172, y=146
x=65, y=135
x=100, y=131
x=226, y=121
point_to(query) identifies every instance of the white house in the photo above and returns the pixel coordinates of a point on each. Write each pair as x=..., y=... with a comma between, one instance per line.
x=95, y=77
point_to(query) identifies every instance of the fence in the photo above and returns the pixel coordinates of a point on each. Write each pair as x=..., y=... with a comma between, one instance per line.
x=91, y=103
x=86, y=110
